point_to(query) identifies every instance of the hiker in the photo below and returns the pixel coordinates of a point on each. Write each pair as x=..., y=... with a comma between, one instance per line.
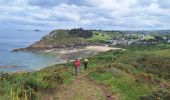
x=86, y=61
x=76, y=65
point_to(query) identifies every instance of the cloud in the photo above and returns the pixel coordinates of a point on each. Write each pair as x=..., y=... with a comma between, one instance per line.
x=45, y=3
x=164, y=4
x=52, y=3
x=90, y=14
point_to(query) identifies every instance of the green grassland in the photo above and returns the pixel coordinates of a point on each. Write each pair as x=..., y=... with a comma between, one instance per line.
x=61, y=37
x=99, y=37
x=147, y=37
x=64, y=37
x=137, y=73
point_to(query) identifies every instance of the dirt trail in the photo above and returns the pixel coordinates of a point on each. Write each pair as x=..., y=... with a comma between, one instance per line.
x=83, y=89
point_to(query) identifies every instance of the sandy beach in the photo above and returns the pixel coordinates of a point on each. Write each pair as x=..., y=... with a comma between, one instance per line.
x=88, y=48
x=101, y=48
x=69, y=54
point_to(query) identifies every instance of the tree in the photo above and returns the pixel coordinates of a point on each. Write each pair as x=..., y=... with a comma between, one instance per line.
x=81, y=33
x=159, y=39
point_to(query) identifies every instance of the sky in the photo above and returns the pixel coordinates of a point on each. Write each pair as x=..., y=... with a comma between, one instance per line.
x=88, y=14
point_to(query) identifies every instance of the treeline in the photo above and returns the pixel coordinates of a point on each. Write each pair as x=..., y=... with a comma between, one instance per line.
x=81, y=32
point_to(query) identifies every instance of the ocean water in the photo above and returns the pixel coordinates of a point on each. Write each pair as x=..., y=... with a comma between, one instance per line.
x=23, y=61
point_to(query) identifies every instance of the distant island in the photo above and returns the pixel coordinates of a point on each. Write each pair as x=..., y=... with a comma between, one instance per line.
x=37, y=30
x=29, y=30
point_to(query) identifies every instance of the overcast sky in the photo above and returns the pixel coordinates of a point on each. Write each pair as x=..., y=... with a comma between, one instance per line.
x=88, y=14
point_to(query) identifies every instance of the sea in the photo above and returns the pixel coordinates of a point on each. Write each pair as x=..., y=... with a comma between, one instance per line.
x=23, y=61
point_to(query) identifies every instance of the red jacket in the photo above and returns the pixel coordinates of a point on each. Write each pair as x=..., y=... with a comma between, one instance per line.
x=76, y=63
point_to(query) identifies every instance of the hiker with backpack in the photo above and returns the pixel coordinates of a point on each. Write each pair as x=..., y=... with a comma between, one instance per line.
x=85, y=62
x=76, y=65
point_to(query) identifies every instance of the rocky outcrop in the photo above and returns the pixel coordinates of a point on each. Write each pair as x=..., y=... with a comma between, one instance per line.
x=32, y=49
x=40, y=47
x=37, y=46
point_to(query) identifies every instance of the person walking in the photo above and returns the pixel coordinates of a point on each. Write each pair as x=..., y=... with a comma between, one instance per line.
x=76, y=65
x=85, y=62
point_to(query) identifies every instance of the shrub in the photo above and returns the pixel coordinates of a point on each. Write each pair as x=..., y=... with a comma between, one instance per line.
x=81, y=33
x=156, y=95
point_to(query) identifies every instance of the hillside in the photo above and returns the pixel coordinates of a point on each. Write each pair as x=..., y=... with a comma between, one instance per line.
x=141, y=72
x=74, y=38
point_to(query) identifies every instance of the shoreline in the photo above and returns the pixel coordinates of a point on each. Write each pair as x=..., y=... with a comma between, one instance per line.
x=71, y=54
x=95, y=48
x=68, y=54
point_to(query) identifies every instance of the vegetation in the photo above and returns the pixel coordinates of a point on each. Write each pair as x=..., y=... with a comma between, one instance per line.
x=139, y=72
x=75, y=37
x=136, y=73
x=99, y=37
x=31, y=86
x=70, y=37
x=59, y=38
x=81, y=33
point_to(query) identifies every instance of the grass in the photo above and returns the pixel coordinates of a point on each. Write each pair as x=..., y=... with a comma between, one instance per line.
x=33, y=84
x=125, y=87
x=147, y=37
x=98, y=37
x=129, y=76
x=133, y=73
x=62, y=37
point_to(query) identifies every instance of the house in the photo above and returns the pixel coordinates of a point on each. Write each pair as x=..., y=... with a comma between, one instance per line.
x=168, y=41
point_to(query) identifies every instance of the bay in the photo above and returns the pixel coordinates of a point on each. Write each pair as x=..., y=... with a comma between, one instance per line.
x=23, y=61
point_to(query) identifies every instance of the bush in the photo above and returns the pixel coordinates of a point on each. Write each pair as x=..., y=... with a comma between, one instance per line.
x=81, y=33
x=157, y=65
x=29, y=85
x=156, y=95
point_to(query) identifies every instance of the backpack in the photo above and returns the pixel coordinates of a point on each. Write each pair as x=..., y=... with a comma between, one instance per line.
x=86, y=60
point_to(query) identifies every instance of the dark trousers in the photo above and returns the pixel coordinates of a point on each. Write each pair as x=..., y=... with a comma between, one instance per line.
x=85, y=65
